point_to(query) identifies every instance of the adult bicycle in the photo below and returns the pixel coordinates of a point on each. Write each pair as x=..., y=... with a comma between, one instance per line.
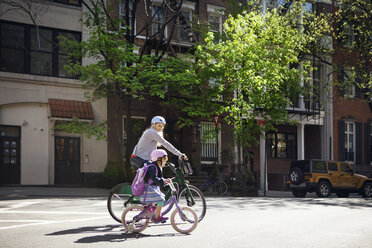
x=136, y=218
x=121, y=196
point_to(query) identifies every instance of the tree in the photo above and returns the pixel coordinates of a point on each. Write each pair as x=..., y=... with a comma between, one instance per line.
x=124, y=67
x=258, y=66
x=354, y=34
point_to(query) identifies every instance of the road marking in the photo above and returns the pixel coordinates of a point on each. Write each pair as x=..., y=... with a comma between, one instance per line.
x=5, y=211
x=22, y=204
x=45, y=222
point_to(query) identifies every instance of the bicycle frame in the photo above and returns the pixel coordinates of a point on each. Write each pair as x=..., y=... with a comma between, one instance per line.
x=170, y=203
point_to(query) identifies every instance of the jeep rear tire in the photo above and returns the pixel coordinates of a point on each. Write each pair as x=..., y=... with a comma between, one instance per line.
x=298, y=193
x=367, y=189
x=296, y=176
x=324, y=189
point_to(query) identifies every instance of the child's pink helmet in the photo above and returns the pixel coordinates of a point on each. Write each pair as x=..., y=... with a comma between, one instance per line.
x=158, y=153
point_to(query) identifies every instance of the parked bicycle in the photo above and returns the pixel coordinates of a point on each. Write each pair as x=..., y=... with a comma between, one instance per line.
x=214, y=185
x=136, y=218
x=121, y=197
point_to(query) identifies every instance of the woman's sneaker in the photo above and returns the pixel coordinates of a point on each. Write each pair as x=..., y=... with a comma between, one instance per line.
x=160, y=219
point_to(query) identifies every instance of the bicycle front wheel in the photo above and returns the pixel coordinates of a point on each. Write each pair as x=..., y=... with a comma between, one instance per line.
x=130, y=221
x=195, y=199
x=220, y=188
x=184, y=221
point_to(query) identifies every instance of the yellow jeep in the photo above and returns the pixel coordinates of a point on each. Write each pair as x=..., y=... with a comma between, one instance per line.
x=325, y=177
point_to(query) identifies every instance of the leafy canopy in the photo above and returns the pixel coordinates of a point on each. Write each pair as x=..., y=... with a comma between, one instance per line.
x=255, y=67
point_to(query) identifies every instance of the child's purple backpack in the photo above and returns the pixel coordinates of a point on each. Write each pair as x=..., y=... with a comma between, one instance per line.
x=138, y=184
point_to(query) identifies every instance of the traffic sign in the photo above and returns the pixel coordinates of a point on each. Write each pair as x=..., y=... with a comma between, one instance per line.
x=216, y=119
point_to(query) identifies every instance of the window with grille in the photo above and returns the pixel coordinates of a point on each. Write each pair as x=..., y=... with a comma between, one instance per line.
x=208, y=141
x=350, y=141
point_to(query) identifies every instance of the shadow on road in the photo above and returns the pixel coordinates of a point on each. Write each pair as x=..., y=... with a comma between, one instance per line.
x=114, y=236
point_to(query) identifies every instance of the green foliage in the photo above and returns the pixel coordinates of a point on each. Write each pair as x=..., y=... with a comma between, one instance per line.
x=115, y=173
x=254, y=63
x=354, y=17
x=88, y=130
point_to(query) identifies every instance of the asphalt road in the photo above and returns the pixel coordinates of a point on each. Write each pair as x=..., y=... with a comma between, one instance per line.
x=230, y=222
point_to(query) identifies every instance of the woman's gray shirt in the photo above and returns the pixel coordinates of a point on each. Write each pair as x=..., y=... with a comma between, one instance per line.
x=148, y=142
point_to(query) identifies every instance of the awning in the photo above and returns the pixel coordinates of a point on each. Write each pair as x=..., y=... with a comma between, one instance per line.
x=67, y=109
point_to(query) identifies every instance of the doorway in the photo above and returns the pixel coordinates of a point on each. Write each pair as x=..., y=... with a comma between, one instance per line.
x=10, y=165
x=67, y=161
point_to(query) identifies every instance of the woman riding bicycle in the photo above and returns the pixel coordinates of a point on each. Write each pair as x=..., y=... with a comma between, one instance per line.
x=149, y=141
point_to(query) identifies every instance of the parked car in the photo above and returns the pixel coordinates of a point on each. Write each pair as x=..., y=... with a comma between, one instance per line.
x=325, y=177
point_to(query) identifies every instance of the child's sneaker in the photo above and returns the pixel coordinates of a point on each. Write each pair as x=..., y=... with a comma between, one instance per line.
x=160, y=219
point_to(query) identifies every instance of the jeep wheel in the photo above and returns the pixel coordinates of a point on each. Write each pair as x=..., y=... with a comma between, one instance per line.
x=298, y=193
x=367, y=190
x=323, y=189
x=296, y=176
x=342, y=194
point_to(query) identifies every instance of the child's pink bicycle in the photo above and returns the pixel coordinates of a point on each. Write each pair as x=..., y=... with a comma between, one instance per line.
x=136, y=218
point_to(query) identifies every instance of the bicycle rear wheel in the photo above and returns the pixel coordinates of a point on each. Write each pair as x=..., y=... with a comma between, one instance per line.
x=200, y=206
x=220, y=188
x=130, y=223
x=185, y=221
x=119, y=198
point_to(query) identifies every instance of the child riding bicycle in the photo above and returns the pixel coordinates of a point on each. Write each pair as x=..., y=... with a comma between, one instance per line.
x=152, y=194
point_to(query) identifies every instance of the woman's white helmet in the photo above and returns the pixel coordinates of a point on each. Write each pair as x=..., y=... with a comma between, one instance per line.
x=158, y=119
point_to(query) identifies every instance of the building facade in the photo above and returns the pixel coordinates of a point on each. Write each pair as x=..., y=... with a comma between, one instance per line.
x=36, y=94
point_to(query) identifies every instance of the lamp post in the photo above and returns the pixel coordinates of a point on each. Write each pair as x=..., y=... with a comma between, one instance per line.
x=262, y=123
x=216, y=119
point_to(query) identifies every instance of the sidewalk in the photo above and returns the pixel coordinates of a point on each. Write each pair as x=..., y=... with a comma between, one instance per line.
x=26, y=191
x=54, y=191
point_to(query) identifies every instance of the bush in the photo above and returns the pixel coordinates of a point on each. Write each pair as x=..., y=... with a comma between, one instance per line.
x=116, y=173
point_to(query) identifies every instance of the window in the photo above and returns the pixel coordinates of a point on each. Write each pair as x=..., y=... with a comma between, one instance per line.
x=208, y=141
x=182, y=34
x=41, y=51
x=215, y=24
x=122, y=13
x=272, y=4
x=12, y=48
x=63, y=58
x=24, y=49
x=70, y=2
x=312, y=97
x=281, y=145
x=345, y=168
x=319, y=166
x=158, y=14
x=332, y=167
x=215, y=14
x=346, y=83
x=349, y=36
x=349, y=141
